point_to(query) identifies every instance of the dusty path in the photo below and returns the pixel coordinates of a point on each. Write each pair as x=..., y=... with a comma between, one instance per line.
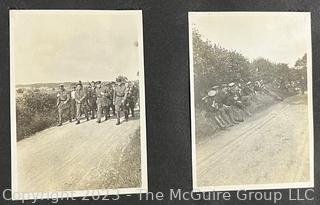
x=270, y=147
x=72, y=157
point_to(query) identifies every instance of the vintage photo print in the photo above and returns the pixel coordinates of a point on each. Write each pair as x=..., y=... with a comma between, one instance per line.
x=77, y=102
x=251, y=100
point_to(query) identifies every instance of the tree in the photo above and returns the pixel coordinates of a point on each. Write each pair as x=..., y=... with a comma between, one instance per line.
x=214, y=65
x=301, y=63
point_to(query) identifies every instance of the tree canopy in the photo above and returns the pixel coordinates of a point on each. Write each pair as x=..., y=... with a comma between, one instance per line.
x=215, y=65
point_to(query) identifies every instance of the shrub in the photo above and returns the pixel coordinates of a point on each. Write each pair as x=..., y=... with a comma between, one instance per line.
x=35, y=111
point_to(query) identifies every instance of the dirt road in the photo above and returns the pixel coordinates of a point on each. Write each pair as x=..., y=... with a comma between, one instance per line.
x=74, y=157
x=270, y=147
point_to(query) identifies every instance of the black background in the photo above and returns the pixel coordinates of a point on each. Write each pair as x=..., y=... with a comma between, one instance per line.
x=166, y=63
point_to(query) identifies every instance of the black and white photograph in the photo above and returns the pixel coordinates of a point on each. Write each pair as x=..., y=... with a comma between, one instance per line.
x=251, y=100
x=77, y=102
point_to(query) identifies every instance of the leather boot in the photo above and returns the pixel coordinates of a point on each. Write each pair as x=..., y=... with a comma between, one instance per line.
x=126, y=116
x=118, y=118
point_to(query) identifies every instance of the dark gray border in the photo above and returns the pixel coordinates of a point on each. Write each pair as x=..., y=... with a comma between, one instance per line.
x=166, y=54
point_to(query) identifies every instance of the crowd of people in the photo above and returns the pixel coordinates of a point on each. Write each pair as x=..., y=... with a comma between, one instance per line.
x=97, y=100
x=228, y=104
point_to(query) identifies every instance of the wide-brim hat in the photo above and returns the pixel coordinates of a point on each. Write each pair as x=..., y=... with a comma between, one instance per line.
x=119, y=78
x=212, y=93
x=231, y=84
x=215, y=87
x=248, y=83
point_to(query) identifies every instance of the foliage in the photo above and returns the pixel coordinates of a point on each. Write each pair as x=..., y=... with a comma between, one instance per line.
x=301, y=63
x=214, y=65
x=36, y=111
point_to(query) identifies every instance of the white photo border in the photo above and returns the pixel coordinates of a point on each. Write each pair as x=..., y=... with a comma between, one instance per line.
x=143, y=138
x=309, y=184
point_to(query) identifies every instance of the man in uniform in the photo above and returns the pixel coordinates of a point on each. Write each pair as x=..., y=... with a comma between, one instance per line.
x=109, y=96
x=92, y=99
x=131, y=98
x=81, y=102
x=119, y=98
x=225, y=109
x=63, y=103
x=212, y=108
x=101, y=94
x=235, y=101
x=111, y=88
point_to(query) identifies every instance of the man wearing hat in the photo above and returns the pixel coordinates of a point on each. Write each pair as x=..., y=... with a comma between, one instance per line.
x=119, y=98
x=213, y=109
x=63, y=100
x=109, y=95
x=132, y=97
x=246, y=93
x=246, y=88
x=235, y=102
x=92, y=99
x=111, y=88
x=223, y=105
x=101, y=94
x=81, y=102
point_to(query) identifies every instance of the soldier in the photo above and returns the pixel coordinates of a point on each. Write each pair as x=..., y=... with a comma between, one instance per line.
x=101, y=94
x=236, y=103
x=212, y=107
x=81, y=102
x=92, y=99
x=111, y=87
x=109, y=96
x=119, y=97
x=220, y=107
x=131, y=98
x=246, y=91
x=223, y=104
x=63, y=99
x=257, y=87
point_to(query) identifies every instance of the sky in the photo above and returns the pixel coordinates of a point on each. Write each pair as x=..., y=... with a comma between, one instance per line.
x=63, y=46
x=281, y=37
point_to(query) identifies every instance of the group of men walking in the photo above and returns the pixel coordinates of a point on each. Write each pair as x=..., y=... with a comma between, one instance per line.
x=228, y=104
x=96, y=100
